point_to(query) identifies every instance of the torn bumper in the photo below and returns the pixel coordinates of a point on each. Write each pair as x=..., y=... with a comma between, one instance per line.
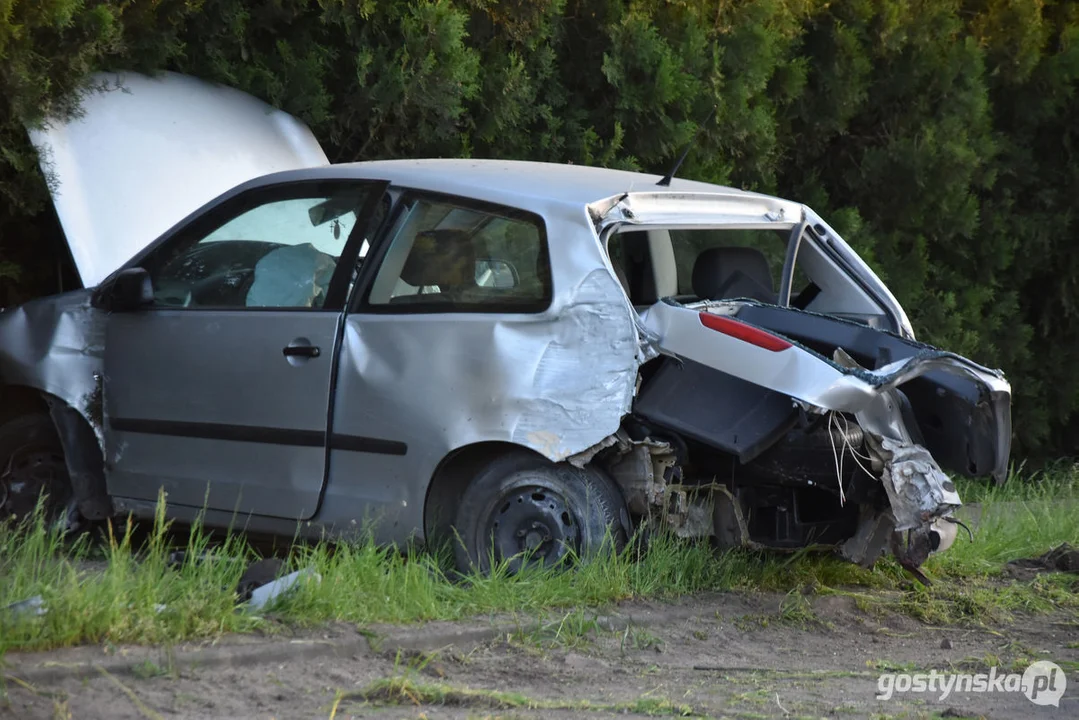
x=918, y=490
x=761, y=373
x=840, y=383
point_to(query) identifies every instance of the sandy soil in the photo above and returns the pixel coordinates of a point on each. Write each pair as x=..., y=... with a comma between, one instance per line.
x=727, y=655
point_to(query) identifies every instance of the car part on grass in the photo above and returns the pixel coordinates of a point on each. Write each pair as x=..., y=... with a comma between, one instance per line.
x=262, y=583
x=258, y=589
x=263, y=596
x=36, y=607
x=31, y=606
x=1062, y=558
x=257, y=574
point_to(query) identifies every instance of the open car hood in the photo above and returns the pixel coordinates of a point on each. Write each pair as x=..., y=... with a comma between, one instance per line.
x=145, y=152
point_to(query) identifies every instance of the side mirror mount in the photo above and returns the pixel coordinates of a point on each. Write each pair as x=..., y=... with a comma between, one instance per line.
x=130, y=289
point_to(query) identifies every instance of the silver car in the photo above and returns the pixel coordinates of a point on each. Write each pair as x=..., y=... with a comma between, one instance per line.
x=529, y=358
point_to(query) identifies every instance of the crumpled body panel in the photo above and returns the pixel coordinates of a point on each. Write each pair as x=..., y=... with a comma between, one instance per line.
x=557, y=382
x=918, y=490
x=582, y=382
x=56, y=345
x=797, y=371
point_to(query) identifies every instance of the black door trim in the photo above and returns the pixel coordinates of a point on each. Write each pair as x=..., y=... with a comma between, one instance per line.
x=256, y=434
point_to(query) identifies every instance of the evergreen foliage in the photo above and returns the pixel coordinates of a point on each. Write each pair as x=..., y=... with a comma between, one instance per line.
x=938, y=136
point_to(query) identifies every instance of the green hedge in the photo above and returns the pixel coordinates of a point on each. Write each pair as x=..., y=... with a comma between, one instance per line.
x=937, y=135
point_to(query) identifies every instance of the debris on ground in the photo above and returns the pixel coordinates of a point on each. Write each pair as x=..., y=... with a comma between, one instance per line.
x=261, y=584
x=266, y=594
x=34, y=605
x=1062, y=558
x=257, y=574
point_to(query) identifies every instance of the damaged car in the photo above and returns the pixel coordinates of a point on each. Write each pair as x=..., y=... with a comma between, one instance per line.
x=527, y=357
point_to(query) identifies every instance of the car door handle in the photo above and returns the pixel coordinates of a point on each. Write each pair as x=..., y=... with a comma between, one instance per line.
x=310, y=351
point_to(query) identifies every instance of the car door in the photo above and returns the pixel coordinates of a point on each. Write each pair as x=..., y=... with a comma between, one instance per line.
x=440, y=350
x=218, y=390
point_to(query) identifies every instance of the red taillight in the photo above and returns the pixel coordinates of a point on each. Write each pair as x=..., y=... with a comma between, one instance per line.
x=746, y=333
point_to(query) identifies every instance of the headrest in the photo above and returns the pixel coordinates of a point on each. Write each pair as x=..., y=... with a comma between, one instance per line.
x=441, y=257
x=732, y=272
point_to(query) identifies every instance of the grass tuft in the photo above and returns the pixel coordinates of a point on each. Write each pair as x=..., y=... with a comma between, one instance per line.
x=126, y=590
x=403, y=690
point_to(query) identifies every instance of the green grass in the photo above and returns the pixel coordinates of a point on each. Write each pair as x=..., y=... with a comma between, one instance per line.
x=1021, y=519
x=404, y=690
x=123, y=592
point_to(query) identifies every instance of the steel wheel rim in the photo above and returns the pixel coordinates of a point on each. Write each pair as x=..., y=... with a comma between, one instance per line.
x=30, y=473
x=532, y=525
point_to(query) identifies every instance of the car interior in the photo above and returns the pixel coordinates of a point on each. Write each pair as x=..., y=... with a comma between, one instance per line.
x=461, y=258
x=694, y=265
x=645, y=263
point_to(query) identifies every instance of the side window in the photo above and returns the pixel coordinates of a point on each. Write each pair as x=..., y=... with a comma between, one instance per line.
x=281, y=253
x=728, y=263
x=443, y=256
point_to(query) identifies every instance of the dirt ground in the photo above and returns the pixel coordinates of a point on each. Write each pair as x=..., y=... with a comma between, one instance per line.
x=728, y=655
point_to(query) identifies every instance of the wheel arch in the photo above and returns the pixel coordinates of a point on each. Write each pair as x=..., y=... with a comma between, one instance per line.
x=452, y=476
x=19, y=400
x=83, y=454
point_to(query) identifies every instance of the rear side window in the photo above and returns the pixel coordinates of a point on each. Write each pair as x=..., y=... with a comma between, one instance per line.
x=444, y=256
x=726, y=263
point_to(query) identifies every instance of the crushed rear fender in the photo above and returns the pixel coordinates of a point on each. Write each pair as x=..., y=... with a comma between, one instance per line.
x=758, y=380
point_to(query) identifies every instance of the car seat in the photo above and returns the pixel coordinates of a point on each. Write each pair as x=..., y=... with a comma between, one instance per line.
x=733, y=272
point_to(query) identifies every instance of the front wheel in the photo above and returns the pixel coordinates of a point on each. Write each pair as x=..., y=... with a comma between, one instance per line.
x=31, y=467
x=523, y=509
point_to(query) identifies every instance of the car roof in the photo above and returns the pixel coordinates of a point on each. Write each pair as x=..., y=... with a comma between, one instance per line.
x=514, y=182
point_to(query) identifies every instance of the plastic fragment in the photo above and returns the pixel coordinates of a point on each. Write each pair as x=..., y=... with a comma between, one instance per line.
x=266, y=594
x=34, y=605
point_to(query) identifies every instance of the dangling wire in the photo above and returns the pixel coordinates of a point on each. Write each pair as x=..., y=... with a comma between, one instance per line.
x=837, y=456
x=846, y=446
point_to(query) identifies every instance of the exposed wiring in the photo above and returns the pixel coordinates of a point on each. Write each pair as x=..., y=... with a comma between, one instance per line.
x=846, y=446
x=849, y=446
x=837, y=456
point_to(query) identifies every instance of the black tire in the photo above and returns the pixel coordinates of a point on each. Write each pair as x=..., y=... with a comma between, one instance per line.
x=32, y=464
x=522, y=504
